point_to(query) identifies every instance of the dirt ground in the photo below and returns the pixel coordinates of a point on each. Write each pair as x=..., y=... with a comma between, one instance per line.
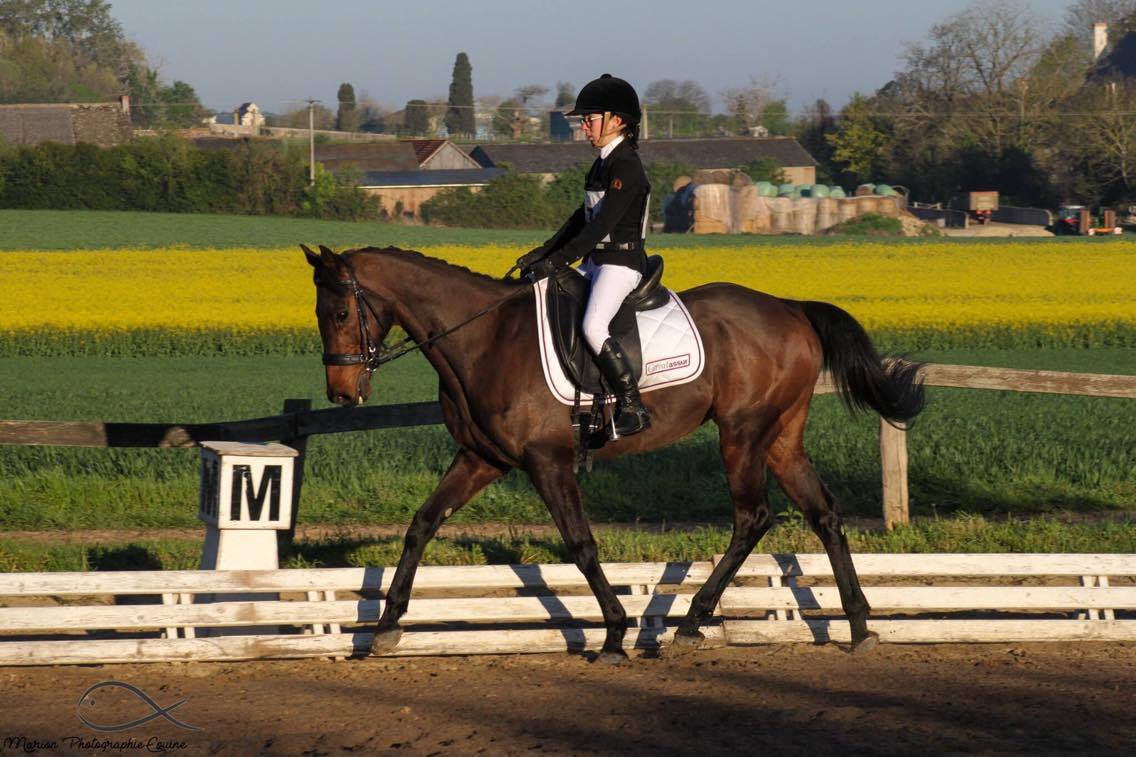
x=786, y=699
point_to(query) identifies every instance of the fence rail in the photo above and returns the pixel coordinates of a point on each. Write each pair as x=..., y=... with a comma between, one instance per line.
x=115, y=617
x=298, y=421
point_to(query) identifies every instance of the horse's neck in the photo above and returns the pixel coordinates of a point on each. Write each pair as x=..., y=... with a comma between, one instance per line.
x=429, y=296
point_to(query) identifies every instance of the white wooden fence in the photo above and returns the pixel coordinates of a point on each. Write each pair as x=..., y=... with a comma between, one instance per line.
x=134, y=616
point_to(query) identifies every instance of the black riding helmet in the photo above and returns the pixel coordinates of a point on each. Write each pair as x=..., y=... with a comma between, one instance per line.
x=608, y=94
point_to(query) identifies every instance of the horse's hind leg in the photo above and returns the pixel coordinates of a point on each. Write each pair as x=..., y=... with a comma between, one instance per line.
x=468, y=474
x=799, y=480
x=551, y=474
x=744, y=450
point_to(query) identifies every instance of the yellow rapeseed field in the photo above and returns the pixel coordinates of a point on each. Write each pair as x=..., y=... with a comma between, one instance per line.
x=898, y=287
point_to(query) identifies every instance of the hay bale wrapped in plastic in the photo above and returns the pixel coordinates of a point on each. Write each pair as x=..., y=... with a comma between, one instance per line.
x=713, y=176
x=837, y=193
x=712, y=209
x=819, y=191
x=786, y=190
x=828, y=210
x=781, y=210
x=804, y=215
x=889, y=206
x=747, y=208
x=867, y=204
x=765, y=189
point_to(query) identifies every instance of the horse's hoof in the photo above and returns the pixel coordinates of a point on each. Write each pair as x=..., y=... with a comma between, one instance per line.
x=386, y=641
x=685, y=643
x=612, y=658
x=866, y=644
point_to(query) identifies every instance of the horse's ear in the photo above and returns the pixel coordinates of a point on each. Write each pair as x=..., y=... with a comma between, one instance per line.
x=329, y=258
x=313, y=259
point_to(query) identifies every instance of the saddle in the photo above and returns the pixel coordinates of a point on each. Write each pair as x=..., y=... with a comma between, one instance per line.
x=567, y=298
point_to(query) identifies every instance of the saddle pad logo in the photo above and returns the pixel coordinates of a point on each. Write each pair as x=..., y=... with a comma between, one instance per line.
x=617, y=184
x=667, y=364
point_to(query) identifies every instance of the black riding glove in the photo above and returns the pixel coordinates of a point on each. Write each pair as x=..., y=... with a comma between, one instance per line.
x=543, y=268
x=530, y=258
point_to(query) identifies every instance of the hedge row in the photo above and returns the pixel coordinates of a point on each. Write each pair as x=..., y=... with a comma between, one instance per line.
x=171, y=175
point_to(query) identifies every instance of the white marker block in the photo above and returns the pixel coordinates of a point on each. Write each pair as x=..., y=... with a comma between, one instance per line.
x=246, y=498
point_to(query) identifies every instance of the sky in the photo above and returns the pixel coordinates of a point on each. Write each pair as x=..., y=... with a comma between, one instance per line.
x=280, y=52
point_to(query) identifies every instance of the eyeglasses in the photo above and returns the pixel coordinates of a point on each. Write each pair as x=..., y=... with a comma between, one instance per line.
x=589, y=119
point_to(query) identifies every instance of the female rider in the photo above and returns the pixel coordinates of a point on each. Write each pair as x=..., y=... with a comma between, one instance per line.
x=607, y=231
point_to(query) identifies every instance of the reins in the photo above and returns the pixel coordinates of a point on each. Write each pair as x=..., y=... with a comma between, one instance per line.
x=372, y=356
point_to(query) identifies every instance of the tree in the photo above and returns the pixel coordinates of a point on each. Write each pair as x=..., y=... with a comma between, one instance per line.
x=746, y=104
x=417, y=118
x=677, y=108
x=460, y=118
x=529, y=92
x=372, y=117
x=1082, y=14
x=181, y=107
x=506, y=119
x=346, y=117
x=775, y=118
x=812, y=129
x=859, y=145
x=565, y=94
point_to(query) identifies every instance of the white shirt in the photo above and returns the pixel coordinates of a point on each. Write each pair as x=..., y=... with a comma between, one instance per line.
x=610, y=147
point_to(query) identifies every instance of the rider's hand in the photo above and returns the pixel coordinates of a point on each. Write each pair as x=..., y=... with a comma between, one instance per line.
x=526, y=261
x=541, y=269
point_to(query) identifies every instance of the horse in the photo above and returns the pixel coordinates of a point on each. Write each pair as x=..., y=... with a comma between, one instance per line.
x=763, y=354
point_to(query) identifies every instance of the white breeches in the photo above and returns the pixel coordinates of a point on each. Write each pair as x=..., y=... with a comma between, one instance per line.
x=610, y=286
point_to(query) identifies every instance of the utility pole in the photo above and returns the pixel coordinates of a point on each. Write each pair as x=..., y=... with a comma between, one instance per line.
x=312, y=141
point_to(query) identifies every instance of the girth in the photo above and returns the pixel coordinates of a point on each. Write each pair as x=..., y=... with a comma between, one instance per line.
x=567, y=299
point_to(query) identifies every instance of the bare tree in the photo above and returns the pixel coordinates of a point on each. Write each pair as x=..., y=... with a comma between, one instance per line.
x=1082, y=14
x=746, y=104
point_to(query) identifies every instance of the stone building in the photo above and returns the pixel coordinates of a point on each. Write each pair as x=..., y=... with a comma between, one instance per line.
x=102, y=124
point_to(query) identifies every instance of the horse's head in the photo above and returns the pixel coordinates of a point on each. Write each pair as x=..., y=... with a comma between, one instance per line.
x=352, y=324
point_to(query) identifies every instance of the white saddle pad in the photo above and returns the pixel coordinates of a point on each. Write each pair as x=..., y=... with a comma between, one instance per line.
x=672, y=348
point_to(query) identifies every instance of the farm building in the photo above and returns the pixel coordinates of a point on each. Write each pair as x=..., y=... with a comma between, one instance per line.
x=102, y=124
x=404, y=174
x=716, y=153
x=401, y=193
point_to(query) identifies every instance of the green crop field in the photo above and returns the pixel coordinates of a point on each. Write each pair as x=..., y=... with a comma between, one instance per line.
x=85, y=230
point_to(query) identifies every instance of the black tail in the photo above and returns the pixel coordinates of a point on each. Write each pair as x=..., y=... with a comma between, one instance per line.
x=864, y=379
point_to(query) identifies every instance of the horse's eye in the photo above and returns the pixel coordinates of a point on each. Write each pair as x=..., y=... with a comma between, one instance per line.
x=340, y=316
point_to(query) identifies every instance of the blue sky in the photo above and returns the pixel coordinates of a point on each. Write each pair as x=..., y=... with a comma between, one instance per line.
x=277, y=52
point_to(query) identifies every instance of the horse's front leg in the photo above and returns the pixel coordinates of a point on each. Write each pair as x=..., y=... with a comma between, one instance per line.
x=552, y=476
x=468, y=474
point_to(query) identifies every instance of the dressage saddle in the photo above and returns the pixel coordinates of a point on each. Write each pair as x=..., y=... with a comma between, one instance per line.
x=567, y=298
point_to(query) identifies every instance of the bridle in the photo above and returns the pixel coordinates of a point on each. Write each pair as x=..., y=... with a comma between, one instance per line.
x=372, y=355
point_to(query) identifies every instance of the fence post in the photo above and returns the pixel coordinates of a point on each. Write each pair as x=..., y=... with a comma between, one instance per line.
x=300, y=444
x=893, y=463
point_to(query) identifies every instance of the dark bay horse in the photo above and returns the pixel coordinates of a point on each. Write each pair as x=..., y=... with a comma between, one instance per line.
x=763, y=357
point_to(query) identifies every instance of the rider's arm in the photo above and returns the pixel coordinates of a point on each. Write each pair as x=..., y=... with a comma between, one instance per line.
x=570, y=229
x=627, y=186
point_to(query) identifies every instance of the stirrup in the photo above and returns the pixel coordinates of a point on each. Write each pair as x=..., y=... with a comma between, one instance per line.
x=628, y=421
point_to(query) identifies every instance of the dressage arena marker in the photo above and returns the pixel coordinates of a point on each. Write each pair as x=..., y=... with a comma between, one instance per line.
x=104, y=617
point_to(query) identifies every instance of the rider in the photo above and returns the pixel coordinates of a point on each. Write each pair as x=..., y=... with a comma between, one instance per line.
x=607, y=231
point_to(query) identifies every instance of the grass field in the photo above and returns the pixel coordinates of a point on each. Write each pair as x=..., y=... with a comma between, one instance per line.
x=982, y=452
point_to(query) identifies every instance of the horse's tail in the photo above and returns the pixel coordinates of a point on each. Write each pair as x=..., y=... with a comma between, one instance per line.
x=865, y=380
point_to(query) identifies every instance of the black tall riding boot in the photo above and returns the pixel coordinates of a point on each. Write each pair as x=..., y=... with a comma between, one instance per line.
x=630, y=415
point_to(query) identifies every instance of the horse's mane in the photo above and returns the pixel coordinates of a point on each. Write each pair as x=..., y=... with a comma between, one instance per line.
x=426, y=259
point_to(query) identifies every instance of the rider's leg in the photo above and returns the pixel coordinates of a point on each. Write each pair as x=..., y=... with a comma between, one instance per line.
x=610, y=286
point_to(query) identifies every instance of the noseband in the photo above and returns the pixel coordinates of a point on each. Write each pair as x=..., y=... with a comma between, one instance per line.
x=371, y=355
